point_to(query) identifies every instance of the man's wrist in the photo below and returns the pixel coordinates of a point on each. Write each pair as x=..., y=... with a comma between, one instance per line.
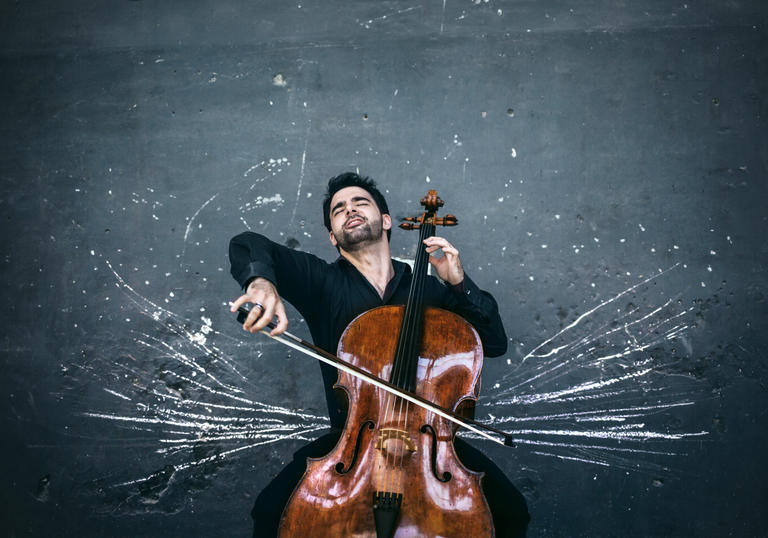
x=458, y=288
x=256, y=281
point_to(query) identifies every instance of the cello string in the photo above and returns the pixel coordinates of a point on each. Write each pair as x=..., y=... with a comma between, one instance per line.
x=400, y=370
x=398, y=378
x=386, y=443
x=382, y=481
x=412, y=324
x=394, y=467
x=402, y=453
x=388, y=421
x=386, y=424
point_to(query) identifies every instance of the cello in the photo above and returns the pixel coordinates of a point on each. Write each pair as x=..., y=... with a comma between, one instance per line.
x=394, y=471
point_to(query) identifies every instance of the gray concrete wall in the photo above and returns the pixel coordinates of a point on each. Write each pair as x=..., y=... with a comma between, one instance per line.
x=607, y=162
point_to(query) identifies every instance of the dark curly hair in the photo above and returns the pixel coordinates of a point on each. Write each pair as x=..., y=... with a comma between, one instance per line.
x=350, y=179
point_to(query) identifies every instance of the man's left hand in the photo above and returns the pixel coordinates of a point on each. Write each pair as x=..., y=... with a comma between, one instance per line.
x=448, y=267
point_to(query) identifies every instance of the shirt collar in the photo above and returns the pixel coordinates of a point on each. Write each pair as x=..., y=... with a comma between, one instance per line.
x=399, y=267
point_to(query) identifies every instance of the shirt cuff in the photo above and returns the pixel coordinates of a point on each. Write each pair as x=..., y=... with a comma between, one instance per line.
x=458, y=288
x=255, y=270
x=467, y=291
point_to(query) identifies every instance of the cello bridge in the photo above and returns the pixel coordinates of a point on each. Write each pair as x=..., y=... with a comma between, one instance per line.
x=395, y=442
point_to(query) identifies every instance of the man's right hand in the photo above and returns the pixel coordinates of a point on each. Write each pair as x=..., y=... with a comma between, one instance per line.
x=261, y=293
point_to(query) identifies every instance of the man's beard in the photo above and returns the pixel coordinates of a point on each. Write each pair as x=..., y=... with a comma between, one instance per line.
x=359, y=236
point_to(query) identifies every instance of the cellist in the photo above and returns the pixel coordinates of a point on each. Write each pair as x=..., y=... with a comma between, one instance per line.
x=330, y=295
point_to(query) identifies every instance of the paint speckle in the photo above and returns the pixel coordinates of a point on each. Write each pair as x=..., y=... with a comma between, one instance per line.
x=260, y=201
x=279, y=80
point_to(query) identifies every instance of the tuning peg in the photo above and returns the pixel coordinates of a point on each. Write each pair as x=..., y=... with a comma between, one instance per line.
x=448, y=220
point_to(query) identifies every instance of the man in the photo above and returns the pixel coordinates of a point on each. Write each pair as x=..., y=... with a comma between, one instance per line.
x=329, y=296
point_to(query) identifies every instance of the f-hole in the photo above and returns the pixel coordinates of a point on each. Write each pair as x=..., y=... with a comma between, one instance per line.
x=340, y=466
x=446, y=476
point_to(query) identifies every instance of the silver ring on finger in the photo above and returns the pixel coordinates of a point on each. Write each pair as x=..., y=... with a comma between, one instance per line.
x=260, y=306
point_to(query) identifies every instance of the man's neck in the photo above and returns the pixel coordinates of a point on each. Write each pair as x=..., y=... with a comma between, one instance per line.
x=374, y=262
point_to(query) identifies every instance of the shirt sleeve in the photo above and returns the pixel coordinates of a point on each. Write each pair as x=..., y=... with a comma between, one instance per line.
x=479, y=308
x=295, y=274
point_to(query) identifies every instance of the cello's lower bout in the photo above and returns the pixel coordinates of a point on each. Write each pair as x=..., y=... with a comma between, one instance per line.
x=440, y=497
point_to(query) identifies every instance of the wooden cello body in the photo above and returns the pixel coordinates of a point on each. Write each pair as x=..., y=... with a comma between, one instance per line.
x=394, y=471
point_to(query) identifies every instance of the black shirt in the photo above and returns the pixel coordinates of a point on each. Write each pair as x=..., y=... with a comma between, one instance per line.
x=330, y=295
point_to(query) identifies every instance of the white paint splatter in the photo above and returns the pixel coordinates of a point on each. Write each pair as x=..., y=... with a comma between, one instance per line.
x=192, y=219
x=261, y=201
x=383, y=18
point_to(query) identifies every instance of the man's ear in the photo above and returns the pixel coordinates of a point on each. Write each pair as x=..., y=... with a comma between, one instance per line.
x=333, y=239
x=386, y=221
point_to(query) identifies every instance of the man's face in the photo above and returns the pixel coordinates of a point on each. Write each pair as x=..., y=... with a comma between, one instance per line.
x=356, y=220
